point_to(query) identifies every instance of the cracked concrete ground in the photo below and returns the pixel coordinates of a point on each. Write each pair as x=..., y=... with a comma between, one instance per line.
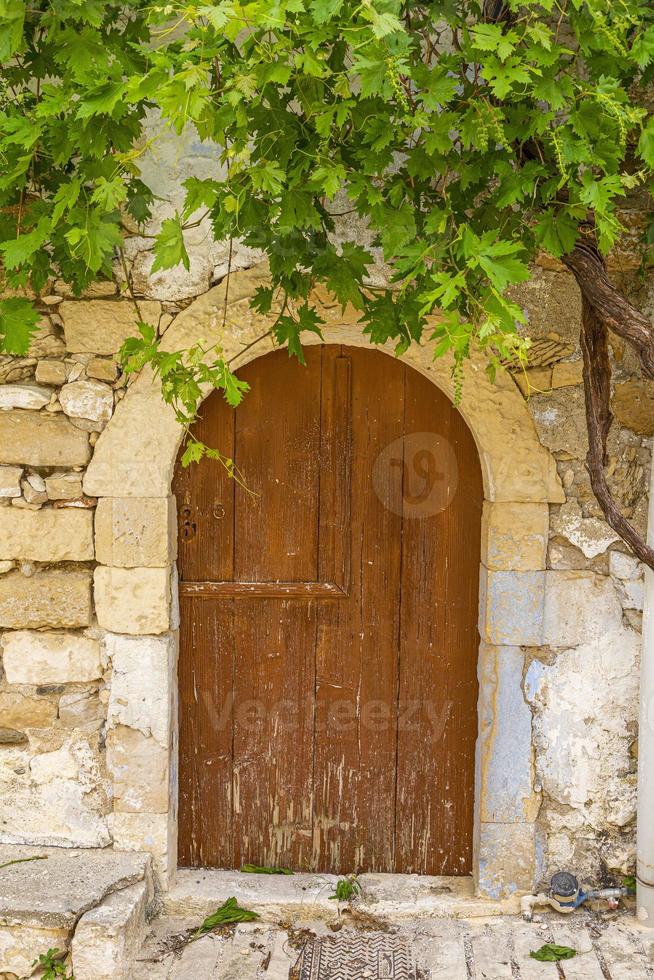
x=610, y=946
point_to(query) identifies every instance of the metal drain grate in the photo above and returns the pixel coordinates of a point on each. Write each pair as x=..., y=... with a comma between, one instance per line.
x=358, y=956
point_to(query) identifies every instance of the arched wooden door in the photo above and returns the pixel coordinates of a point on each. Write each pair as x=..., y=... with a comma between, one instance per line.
x=328, y=690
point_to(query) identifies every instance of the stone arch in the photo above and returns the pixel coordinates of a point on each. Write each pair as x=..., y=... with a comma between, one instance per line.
x=516, y=467
x=135, y=591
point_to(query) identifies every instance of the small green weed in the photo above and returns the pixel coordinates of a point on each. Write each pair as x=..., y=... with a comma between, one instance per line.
x=346, y=889
x=228, y=913
x=551, y=953
x=53, y=966
x=256, y=869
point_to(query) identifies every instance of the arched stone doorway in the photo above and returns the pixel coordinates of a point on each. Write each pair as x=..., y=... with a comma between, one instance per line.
x=131, y=473
x=329, y=622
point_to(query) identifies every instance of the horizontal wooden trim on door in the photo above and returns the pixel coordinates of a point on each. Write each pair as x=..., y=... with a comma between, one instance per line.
x=271, y=590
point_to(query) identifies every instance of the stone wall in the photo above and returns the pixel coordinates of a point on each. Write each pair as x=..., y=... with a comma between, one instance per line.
x=87, y=602
x=67, y=721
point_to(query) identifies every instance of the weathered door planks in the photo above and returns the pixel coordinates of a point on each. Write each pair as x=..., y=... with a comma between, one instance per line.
x=328, y=641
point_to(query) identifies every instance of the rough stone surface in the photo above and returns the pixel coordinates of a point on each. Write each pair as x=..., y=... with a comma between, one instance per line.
x=41, y=440
x=87, y=400
x=48, y=598
x=31, y=657
x=514, y=536
x=23, y=711
x=511, y=608
x=51, y=372
x=65, y=486
x=108, y=937
x=10, y=481
x=567, y=373
x=55, y=797
x=133, y=600
x=20, y=943
x=580, y=606
x=508, y=861
x=590, y=771
x=66, y=885
x=46, y=535
x=143, y=682
x=154, y=833
x=81, y=709
x=101, y=326
x=505, y=762
x=591, y=535
x=633, y=405
x=559, y=421
x=102, y=368
x=132, y=532
x=23, y=396
x=139, y=766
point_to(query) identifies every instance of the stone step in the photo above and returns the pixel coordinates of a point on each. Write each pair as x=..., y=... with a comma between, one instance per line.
x=200, y=892
x=41, y=901
x=109, y=937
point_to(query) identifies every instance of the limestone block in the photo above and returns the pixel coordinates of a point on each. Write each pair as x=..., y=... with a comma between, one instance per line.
x=624, y=566
x=590, y=534
x=20, y=944
x=21, y=711
x=507, y=859
x=131, y=532
x=109, y=937
x=585, y=708
x=45, y=342
x=40, y=439
x=144, y=429
x=57, y=797
x=49, y=658
x=52, y=597
x=34, y=489
x=155, y=833
x=511, y=607
x=567, y=373
x=506, y=778
x=533, y=381
x=51, y=372
x=631, y=593
x=64, y=486
x=560, y=421
x=633, y=405
x=580, y=606
x=87, y=400
x=553, y=303
x=102, y=368
x=514, y=536
x=10, y=481
x=81, y=709
x=133, y=600
x=10, y=736
x=46, y=535
x=101, y=326
x=24, y=396
x=140, y=769
x=143, y=683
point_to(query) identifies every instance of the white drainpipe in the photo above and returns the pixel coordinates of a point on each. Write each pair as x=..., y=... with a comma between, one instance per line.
x=645, y=818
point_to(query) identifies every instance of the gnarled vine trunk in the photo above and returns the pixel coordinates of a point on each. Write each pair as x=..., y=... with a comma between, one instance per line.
x=604, y=308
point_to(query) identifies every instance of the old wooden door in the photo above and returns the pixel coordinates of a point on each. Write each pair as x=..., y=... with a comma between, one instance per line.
x=328, y=692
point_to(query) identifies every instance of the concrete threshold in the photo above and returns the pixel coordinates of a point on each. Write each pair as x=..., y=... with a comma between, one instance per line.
x=198, y=892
